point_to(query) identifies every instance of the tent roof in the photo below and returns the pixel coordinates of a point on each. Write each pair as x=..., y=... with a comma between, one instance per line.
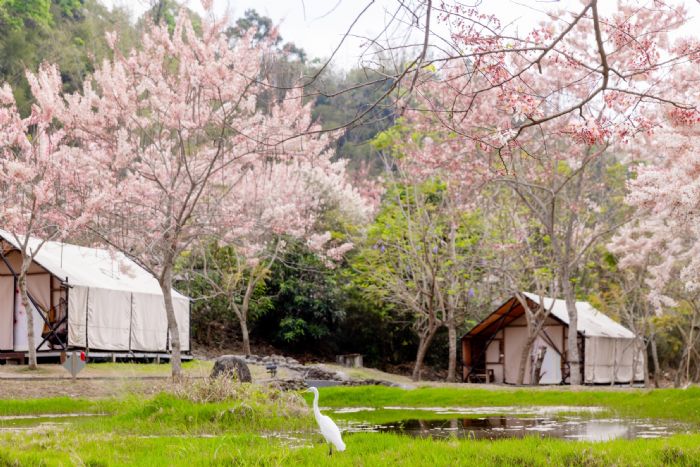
x=92, y=267
x=591, y=322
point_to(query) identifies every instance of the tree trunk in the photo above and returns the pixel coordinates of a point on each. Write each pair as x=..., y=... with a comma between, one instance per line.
x=452, y=364
x=166, y=285
x=689, y=346
x=31, y=340
x=645, y=361
x=537, y=371
x=655, y=358
x=242, y=311
x=423, y=346
x=523, y=358
x=245, y=335
x=572, y=346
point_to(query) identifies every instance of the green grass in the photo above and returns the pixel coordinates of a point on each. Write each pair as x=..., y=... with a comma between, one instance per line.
x=199, y=426
x=55, y=405
x=363, y=450
x=155, y=369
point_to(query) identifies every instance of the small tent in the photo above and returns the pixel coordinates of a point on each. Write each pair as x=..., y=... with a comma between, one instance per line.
x=492, y=349
x=85, y=298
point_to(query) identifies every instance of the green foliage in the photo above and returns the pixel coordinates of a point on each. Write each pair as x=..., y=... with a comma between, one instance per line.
x=304, y=302
x=262, y=25
x=16, y=14
x=374, y=328
x=344, y=97
x=216, y=279
x=412, y=226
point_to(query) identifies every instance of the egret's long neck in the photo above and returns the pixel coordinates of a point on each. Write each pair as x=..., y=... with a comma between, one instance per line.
x=317, y=412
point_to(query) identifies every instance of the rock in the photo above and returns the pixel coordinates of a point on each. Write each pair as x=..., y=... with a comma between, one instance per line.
x=289, y=384
x=313, y=372
x=368, y=382
x=232, y=367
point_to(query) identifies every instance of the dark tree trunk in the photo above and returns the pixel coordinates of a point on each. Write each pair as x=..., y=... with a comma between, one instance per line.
x=423, y=345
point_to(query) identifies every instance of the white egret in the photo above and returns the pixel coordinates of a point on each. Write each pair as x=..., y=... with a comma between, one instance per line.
x=329, y=429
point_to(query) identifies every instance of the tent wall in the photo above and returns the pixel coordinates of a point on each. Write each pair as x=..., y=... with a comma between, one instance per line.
x=108, y=319
x=611, y=360
x=515, y=338
x=77, y=316
x=21, y=324
x=182, y=315
x=7, y=312
x=149, y=325
x=122, y=321
x=494, y=361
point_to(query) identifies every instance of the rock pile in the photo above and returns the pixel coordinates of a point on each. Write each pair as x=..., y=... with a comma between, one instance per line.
x=239, y=364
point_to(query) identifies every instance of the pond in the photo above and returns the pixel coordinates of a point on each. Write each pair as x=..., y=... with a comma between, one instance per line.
x=516, y=423
x=39, y=422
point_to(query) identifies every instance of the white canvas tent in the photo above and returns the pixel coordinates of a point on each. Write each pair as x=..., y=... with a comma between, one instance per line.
x=89, y=298
x=608, y=352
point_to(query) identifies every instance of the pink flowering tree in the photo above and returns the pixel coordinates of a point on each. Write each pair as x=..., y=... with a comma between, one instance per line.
x=650, y=256
x=272, y=203
x=187, y=150
x=536, y=110
x=170, y=125
x=41, y=187
x=662, y=245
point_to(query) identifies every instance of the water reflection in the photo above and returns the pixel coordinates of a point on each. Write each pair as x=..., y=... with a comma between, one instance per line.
x=499, y=427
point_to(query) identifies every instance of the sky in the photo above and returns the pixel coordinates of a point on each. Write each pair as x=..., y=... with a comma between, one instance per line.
x=318, y=25
x=315, y=25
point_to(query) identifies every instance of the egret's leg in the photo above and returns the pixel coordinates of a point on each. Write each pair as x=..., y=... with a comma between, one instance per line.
x=330, y=449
